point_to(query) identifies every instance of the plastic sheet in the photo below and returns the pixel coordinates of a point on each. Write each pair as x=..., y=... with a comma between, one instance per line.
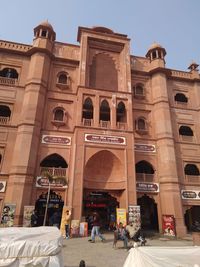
x=163, y=257
x=28, y=247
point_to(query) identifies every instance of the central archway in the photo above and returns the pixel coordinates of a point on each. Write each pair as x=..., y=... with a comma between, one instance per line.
x=104, y=183
x=104, y=171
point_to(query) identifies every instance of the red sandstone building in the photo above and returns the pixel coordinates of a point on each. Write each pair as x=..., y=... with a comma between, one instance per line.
x=119, y=129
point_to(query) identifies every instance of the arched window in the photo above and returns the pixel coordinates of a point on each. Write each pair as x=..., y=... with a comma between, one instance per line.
x=9, y=73
x=121, y=112
x=144, y=167
x=54, y=165
x=141, y=125
x=185, y=130
x=139, y=91
x=5, y=114
x=5, y=111
x=104, y=111
x=54, y=160
x=88, y=109
x=191, y=169
x=59, y=114
x=179, y=97
x=63, y=78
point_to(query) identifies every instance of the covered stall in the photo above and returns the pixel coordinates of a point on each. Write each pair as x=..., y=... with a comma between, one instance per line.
x=163, y=257
x=38, y=246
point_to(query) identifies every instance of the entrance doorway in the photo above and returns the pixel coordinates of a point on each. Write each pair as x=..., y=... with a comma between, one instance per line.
x=192, y=219
x=55, y=206
x=104, y=204
x=149, y=214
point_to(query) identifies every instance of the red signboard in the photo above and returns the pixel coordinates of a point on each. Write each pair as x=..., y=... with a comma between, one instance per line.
x=168, y=222
x=56, y=183
x=52, y=139
x=145, y=148
x=147, y=187
x=105, y=139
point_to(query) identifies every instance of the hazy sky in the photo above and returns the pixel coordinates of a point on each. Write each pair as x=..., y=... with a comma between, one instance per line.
x=174, y=24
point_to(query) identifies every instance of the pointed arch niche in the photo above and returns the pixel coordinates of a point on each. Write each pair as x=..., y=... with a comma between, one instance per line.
x=104, y=170
x=103, y=73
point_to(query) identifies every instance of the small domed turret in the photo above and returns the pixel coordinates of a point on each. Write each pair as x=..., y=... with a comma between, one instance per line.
x=193, y=66
x=45, y=30
x=156, y=51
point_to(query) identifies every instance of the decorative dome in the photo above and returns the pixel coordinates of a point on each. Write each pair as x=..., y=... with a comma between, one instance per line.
x=46, y=24
x=102, y=29
x=154, y=46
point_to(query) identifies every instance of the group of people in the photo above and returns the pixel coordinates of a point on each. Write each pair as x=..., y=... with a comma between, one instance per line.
x=121, y=232
x=132, y=231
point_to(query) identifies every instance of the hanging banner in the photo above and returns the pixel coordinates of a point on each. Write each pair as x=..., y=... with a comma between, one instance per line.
x=134, y=215
x=83, y=231
x=28, y=211
x=75, y=224
x=121, y=216
x=65, y=220
x=168, y=222
x=8, y=213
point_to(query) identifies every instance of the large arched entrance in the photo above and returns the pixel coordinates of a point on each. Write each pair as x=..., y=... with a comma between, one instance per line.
x=104, y=204
x=104, y=186
x=55, y=206
x=149, y=214
x=54, y=169
x=192, y=218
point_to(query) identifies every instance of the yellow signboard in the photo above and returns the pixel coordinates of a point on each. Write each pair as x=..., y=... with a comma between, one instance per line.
x=121, y=216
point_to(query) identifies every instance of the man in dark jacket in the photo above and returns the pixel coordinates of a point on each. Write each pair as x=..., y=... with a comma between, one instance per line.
x=96, y=228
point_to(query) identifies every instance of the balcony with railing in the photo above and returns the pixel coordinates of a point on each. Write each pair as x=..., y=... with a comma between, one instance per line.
x=145, y=177
x=87, y=122
x=121, y=125
x=192, y=179
x=8, y=81
x=4, y=120
x=104, y=124
x=187, y=138
x=54, y=172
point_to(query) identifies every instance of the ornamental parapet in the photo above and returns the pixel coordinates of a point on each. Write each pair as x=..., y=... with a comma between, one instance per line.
x=14, y=46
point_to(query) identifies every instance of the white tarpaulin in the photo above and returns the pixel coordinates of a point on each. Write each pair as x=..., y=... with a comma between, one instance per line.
x=28, y=247
x=163, y=257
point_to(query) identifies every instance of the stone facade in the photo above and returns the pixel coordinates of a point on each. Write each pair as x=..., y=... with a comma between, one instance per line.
x=101, y=118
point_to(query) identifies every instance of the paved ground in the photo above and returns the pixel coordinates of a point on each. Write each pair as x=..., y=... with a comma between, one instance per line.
x=100, y=254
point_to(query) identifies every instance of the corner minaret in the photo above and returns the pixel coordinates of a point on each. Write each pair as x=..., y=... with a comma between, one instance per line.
x=44, y=36
x=156, y=54
x=29, y=129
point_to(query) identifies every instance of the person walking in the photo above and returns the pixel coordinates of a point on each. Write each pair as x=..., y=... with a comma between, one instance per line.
x=96, y=228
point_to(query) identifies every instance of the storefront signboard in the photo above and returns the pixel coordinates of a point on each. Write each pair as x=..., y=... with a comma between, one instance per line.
x=168, y=222
x=121, y=216
x=105, y=139
x=134, y=215
x=57, y=140
x=7, y=219
x=190, y=194
x=55, y=183
x=28, y=211
x=2, y=186
x=145, y=148
x=147, y=187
